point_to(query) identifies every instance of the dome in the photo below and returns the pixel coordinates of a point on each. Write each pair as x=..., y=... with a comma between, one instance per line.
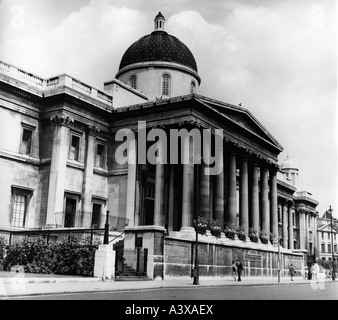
x=289, y=164
x=158, y=46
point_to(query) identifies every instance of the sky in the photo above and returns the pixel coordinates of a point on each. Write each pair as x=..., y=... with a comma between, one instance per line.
x=277, y=58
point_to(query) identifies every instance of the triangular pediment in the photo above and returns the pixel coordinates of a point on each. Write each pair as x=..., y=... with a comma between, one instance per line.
x=327, y=227
x=240, y=117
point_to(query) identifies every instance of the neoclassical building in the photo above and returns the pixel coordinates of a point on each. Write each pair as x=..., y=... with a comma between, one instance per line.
x=61, y=166
x=327, y=237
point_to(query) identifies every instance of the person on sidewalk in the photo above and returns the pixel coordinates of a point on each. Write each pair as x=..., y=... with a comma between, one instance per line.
x=234, y=270
x=239, y=269
x=292, y=271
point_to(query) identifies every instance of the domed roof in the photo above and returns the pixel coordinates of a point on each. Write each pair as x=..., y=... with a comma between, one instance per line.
x=289, y=164
x=158, y=46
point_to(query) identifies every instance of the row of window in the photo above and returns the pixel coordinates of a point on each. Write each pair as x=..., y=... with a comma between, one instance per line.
x=328, y=235
x=74, y=147
x=20, y=204
x=166, y=84
x=329, y=247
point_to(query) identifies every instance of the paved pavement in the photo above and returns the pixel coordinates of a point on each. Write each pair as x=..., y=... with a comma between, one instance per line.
x=25, y=284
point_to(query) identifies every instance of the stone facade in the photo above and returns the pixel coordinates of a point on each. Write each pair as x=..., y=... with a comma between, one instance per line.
x=58, y=146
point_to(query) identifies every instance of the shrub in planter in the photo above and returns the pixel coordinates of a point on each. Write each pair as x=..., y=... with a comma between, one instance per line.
x=202, y=224
x=263, y=236
x=253, y=234
x=229, y=230
x=240, y=231
x=215, y=227
x=273, y=237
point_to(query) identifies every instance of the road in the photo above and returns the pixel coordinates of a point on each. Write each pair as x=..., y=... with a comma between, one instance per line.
x=323, y=291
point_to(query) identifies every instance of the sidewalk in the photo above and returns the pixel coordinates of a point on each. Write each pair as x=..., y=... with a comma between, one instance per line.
x=25, y=284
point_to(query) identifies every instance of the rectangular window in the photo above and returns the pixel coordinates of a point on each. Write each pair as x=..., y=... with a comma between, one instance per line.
x=19, y=205
x=100, y=156
x=74, y=149
x=96, y=215
x=70, y=211
x=19, y=210
x=26, y=141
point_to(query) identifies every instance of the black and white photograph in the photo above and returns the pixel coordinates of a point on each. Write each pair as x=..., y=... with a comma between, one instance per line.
x=168, y=154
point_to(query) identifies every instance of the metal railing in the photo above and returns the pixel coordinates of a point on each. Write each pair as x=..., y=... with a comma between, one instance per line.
x=85, y=235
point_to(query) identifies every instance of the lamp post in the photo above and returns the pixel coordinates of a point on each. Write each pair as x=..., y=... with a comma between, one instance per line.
x=332, y=246
x=106, y=230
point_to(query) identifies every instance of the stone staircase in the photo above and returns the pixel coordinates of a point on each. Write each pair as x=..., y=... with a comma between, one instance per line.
x=123, y=272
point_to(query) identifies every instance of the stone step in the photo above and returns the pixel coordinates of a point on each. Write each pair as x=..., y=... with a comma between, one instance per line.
x=131, y=278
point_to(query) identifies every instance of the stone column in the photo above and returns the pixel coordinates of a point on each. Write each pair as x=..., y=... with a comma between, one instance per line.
x=244, y=196
x=204, y=192
x=159, y=209
x=285, y=225
x=88, y=176
x=315, y=238
x=56, y=188
x=273, y=202
x=188, y=185
x=254, y=197
x=265, y=199
x=131, y=182
x=307, y=236
x=232, y=188
x=219, y=192
x=290, y=227
x=301, y=213
x=171, y=198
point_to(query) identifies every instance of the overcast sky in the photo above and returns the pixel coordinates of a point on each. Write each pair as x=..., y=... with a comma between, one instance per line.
x=277, y=58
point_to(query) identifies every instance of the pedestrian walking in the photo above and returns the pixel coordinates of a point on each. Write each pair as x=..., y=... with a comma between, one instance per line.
x=292, y=271
x=234, y=270
x=239, y=269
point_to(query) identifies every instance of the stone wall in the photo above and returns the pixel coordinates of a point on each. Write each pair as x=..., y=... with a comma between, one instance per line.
x=215, y=258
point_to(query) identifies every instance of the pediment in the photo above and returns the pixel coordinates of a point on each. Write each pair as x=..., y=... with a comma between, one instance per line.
x=240, y=117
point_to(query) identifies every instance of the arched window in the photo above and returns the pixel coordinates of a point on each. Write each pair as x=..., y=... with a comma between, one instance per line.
x=323, y=247
x=166, y=85
x=192, y=87
x=133, y=82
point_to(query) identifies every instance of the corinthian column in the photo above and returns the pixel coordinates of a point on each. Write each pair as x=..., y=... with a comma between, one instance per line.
x=159, y=212
x=204, y=192
x=219, y=191
x=265, y=200
x=188, y=184
x=273, y=202
x=285, y=226
x=254, y=197
x=56, y=188
x=244, y=196
x=290, y=227
x=232, y=189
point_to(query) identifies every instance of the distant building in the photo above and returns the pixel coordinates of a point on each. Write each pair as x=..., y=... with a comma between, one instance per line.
x=325, y=235
x=58, y=144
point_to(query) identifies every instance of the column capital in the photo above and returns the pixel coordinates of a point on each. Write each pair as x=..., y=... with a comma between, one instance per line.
x=93, y=130
x=61, y=120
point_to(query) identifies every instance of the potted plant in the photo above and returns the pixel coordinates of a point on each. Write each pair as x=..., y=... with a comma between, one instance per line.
x=229, y=230
x=215, y=227
x=202, y=224
x=273, y=238
x=240, y=231
x=253, y=235
x=263, y=236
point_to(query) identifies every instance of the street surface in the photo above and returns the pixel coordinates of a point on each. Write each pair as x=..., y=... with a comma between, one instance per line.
x=308, y=291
